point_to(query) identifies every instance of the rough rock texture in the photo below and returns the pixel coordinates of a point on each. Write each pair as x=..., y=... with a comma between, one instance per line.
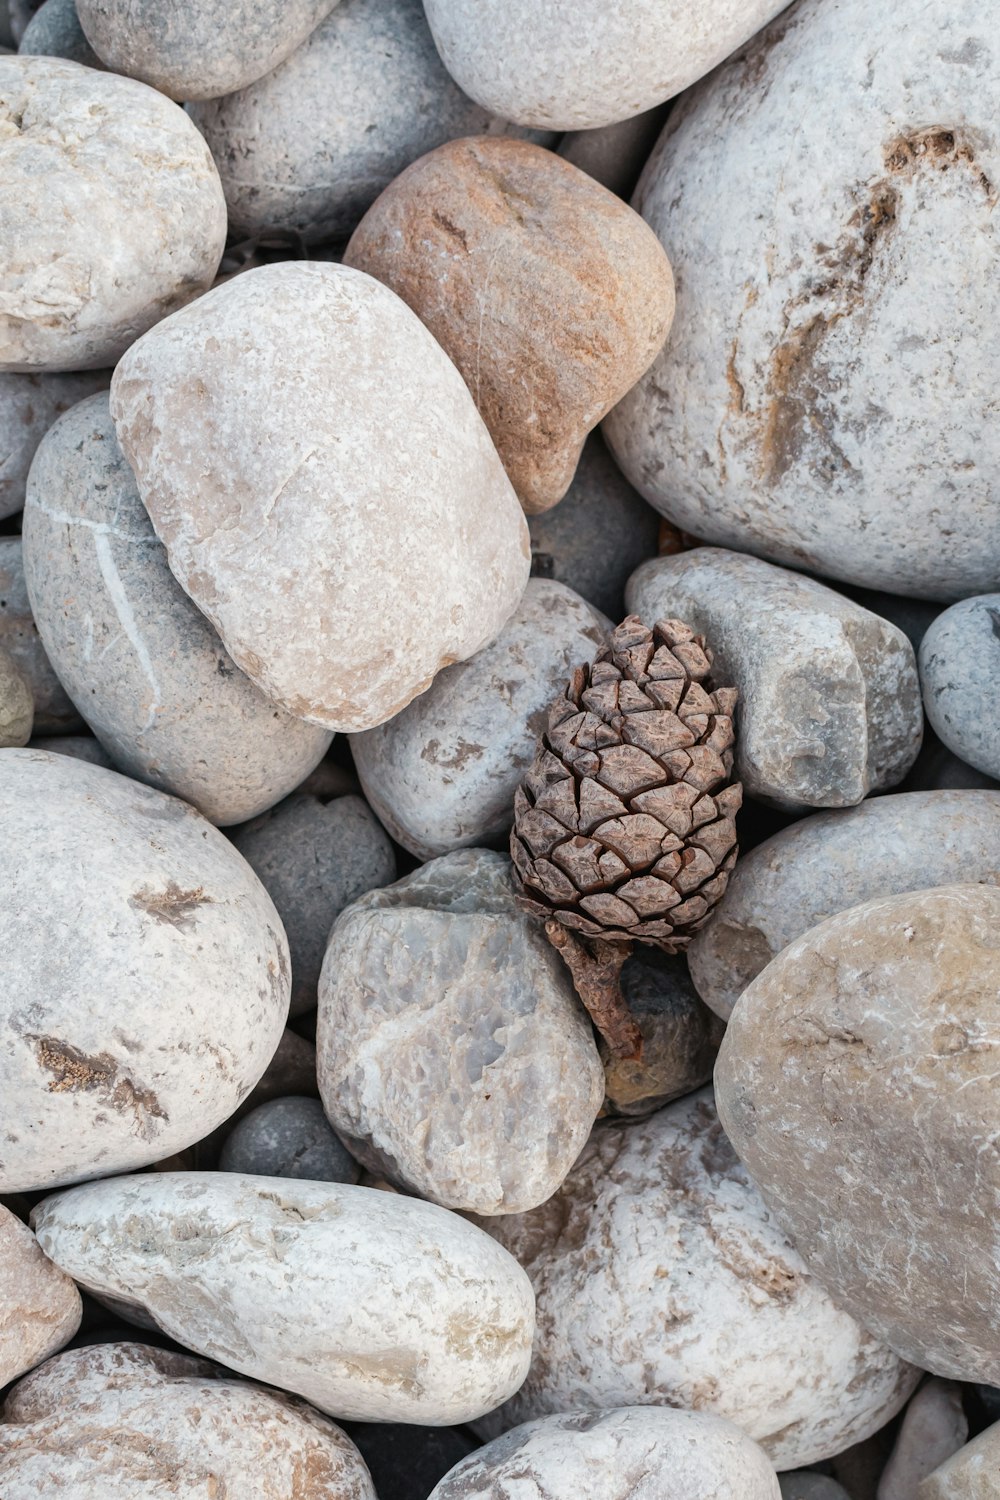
x=970, y=1475
x=829, y=698
x=843, y=274
x=662, y=1279
x=805, y=1486
x=453, y=1054
x=288, y=1138
x=680, y=1037
x=934, y=1427
x=124, y=1421
x=371, y=1305
x=551, y=296
x=143, y=973
x=285, y=457
x=17, y=707
x=442, y=774
x=40, y=1307
x=912, y=616
x=77, y=747
x=142, y=219
x=614, y=155
x=198, y=49
x=886, y=1013
x=54, y=713
x=315, y=856
x=576, y=67
x=143, y=665
x=292, y=151
x=29, y=404
x=959, y=673
x=833, y=861
x=55, y=31
x=638, y=1453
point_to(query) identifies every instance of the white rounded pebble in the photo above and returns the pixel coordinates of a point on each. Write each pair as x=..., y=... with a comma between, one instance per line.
x=40, y=1307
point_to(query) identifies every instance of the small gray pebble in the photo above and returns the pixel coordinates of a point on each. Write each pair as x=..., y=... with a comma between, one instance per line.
x=806, y=1486
x=289, y=1138
x=936, y=769
x=55, y=31
x=614, y=155
x=680, y=1037
x=960, y=677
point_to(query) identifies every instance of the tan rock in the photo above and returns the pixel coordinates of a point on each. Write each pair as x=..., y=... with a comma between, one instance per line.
x=549, y=293
x=972, y=1474
x=17, y=707
x=40, y=1307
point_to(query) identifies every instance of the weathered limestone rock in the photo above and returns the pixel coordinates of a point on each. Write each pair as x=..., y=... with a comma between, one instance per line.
x=614, y=155
x=55, y=31
x=934, y=1427
x=142, y=219
x=662, y=1279
x=284, y=457
x=118, y=1421
x=17, y=708
x=970, y=1475
x=842, y=275
x=453, y=1055
x=619, y=1455
x=288, y=1137
x=29, y=404
x=959, y=673
x=54, y=713
x=680, y=1037
x=143, y=973
x=889, y=1012
x=833, y=861
x=371, y=1305
x=40, y=1307
x=551, y=296
x=442, y=774
x=829, y=698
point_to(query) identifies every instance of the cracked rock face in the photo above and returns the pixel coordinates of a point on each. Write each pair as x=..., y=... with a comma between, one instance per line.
x=29, y=404
x=54, y=712
x=125, y=1421
x=373, y=1306
x=661, y=1278
x=141, y=213
x=959, y=663
x=865, y=1056
x=143, y=973
x=846, y=273
x=40, y=1307
x=638, y=1453
x=285, y=456
x=453, y=1055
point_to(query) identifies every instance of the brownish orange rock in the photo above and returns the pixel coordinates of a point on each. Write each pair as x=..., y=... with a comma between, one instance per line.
x=549, y=293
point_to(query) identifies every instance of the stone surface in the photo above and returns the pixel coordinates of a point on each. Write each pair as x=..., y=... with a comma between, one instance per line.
x=639, y=1453
x=143, y=665
x=40, y=1307
x=142, y=219
x=125, y=1421
x=829, y=698
x=912, y=616
x=288, y=1137
x=54, y=712
x=680, y=1037
x=832, y=861
x=582, y=66
x=296, y=153
x=614, y=155
x=959, y=676
x=406, y=1462
x=315, y=856
x=77, y=746
x=442, y=774
x=970, y=1475
x=551, y=296
x=29, y=404
x=371, y=1305
x=936, y=769
x=143, y=973
x=55, y=31
x=888, y=1012
x=285, y=457
x=662, y=1279
x=17, y=708
x=844, y=274
x=934, y=1427
x=453, y=1055
x=805, y=1486
x=292, y=1070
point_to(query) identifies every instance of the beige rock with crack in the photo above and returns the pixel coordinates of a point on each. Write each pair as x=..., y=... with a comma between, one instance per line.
x=971, y=1474
x=40, y=1307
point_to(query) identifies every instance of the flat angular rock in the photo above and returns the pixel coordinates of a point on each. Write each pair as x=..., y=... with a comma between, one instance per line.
x=663, y=1280
x=371, y=1305
x=551, y=296
x=889, y=1012
x=143, y=973
x=284, y=457
x=17, y=707
x=934, y=1427
x=453, y=1054
x=842, y=275
x=829, y=699
x=29, y=404
x=959, y=677
x=121, y=1420
x=19, y=637
x=680, y=1037
x=970, y=1475
x=40, y=1307
x=832, y=861
x=141, y=213
x=288, y=1137
x=145, y=668
x=442, y=774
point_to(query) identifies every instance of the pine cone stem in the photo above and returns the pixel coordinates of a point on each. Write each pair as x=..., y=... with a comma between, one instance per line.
x=596, y=969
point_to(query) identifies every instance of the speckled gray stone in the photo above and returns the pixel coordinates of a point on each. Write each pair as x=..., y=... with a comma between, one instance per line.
x=614, y=155
x=806, y=1486
x=864, y=1056
x=143, y=973
x=842, y=276
x=829, y=698
x=680, y=1037
x=960, y=679
x=29, y=404
x=17, y=708
x=934, y=1427
x=294, y=152
x=288, y=1137
x=77, y=746
x=452, y=1052
x=662, y=1279
x=936, y=769
x=142, y=218
x=54, y=712
x=284, y=456
x=827, y=863
x=40, y=1307
x=315, y=856
x=143, y=665
x=55, y=31
x=970, y=1475
x=442, y=773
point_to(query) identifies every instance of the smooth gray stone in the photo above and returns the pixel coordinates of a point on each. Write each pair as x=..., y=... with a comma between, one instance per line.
x=960, y=680
x=614, y=155
x=288, y=1137
x=55, y=31
x=937, y=769
x=315, y=856
x=29, y=404
x=806, y=1486
x=934, y=1427
x=78, y=746
x=54, y=712
x=17, y=709
x=829, y=704
x=680, y=1037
